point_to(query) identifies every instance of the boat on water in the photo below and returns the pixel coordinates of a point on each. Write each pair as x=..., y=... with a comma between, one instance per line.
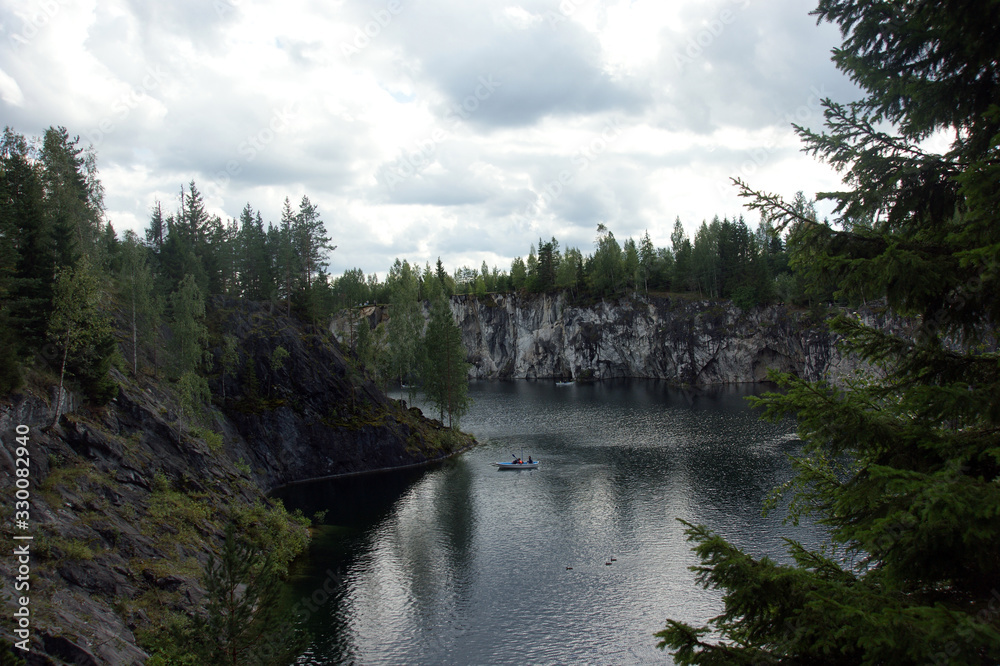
x=516, y=465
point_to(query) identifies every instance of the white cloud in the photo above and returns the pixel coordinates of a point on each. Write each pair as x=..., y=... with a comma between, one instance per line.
x=10, y=92
x=494, y=116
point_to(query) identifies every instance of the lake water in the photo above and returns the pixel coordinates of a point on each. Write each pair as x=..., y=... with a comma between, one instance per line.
x=466, y=564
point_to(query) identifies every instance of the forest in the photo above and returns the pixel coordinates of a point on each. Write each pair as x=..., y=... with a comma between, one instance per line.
x=78, y=297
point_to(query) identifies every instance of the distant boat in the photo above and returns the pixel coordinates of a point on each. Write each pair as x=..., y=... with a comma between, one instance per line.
x=516, y=465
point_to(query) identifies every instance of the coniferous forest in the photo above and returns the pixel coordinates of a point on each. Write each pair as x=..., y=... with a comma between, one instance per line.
x=66, y=271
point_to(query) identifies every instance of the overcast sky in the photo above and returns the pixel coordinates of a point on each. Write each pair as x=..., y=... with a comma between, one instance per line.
x=464, y=129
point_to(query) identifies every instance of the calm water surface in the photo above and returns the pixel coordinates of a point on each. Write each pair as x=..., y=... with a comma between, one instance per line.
x=466, y=564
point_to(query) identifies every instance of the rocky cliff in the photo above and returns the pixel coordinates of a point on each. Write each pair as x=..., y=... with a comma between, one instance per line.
x=128, y=500
x=515, y=336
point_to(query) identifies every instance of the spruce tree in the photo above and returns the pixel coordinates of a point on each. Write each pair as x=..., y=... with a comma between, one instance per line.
x=72, y=204
x=187, y=315
x=446, y=373
x=244, y=624
x=310, y=242
x=27, y=259
x=404, y=330
x=902, y=464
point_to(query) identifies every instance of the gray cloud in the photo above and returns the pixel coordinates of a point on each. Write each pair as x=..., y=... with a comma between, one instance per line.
x=514, y=100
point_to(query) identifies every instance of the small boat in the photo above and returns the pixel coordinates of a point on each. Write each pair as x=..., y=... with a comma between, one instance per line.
x=517, y=465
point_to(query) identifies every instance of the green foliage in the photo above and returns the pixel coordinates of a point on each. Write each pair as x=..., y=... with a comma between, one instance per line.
x=136, y=287
x=446, y=373
x=80, y=328
x=269, y=528
x=228, y=359
x=211, y=438
x=900, y=464
x=187, y=306
x=605, y=269
x=404, y=330
x=244, y=624
x=8, y=655
x=192, y=393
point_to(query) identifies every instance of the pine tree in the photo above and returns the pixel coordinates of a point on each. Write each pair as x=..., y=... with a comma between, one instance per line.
x=72, y=205
x=243, y=624
x=647, y=261
x=187, y=314
x=606, y=268
x=287, y=263
x=446, y=373
x=901, y=465
x=404, y=330
x=27, y=259
x=310, y=241
x=157, y=229
x=518, y=273
x=682, y=277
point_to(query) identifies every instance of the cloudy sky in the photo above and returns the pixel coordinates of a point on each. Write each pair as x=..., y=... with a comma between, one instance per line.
x=464, y=129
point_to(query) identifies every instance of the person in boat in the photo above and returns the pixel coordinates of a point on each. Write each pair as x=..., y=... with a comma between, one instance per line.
x=530, y=461
x=518, y=461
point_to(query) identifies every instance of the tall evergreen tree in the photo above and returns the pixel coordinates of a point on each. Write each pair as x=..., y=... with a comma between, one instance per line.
x=647, y=261
x=243, y=624
x=188, y=331
x=404, y=330
x=72, y=207
x=287, y=263
x=446, y=373
x=902, y=466
x=310, y=241
x=682, y=277
x=136, y=286
x=27, y=258
x=253, y=262
x=606, y=268
x=547, y=265
x=157, y=229
x=518, y=273
x=630, y=264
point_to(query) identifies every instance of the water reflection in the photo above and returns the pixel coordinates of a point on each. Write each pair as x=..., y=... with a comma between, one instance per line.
x=467, y=564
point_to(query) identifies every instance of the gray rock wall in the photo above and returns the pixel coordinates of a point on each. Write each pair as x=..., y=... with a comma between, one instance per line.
x=690, y=342
x=546, y=336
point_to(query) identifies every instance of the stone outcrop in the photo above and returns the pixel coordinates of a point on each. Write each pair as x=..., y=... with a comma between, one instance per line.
x=128, y=500
x=515, y=336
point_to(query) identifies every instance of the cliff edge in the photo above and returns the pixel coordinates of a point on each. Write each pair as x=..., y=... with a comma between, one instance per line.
x=128, y=500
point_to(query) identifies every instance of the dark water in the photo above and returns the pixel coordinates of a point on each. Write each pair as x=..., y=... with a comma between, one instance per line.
x=466, y=564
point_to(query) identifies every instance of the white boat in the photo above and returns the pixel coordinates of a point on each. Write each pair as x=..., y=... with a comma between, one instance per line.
x=515, y=465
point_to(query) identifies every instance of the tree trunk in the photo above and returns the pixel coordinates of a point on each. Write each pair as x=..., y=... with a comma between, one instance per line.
x=135, y=341
x=62, y=375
